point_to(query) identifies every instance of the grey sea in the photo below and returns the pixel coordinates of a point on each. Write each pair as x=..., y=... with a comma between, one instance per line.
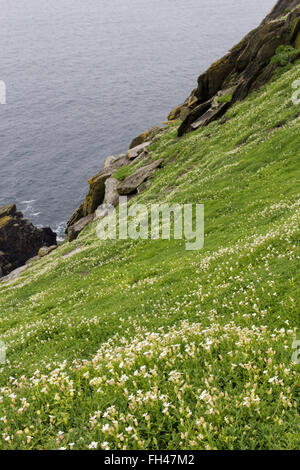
x=83, y=77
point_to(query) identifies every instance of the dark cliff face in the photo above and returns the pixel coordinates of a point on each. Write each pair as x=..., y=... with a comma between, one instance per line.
x=281, y=8
x=245, y=68
x=19, y=239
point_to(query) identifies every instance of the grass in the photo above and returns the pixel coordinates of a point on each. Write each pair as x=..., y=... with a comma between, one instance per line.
x=284, y=55
x=225, y=99
x=123, y=172
x=144, y=345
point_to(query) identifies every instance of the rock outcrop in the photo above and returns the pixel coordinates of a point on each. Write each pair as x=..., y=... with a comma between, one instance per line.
x=105, y=190
x=96, y=194
x=75, y=229
x=45, y=250
x=245, y=68
x=19, y=239
x=145, y=137
x=111, y=192
x=132, y=182
x=136, y=151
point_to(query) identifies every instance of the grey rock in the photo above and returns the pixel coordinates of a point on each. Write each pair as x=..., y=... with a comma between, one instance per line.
x=111, y=194
x=210, y=116
x=96, y=194
x=45, y=250
x=136, y=151
x=120, y=161
x=140, y=139
x=75, y=229
x=131, y=183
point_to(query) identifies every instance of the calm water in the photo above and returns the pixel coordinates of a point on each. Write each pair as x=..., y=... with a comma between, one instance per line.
x=83, y=77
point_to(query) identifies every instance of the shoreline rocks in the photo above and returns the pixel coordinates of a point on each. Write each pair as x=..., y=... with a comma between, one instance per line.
x=19, y=239
x=105, y=189
x=96, y=194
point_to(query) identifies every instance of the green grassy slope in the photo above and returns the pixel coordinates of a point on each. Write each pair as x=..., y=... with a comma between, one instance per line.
x=144, y=345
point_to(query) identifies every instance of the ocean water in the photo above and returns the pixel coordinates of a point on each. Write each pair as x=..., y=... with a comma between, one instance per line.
x=83, y=77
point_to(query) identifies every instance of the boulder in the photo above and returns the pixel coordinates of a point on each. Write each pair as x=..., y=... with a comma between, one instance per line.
x=211, y=115
x=111, y=194
x=74, y=230
x=140, y=139
x=19, y=239
x=120, y=161
x=45, y=250
x=116, y=162
x=136, y=151
x=243, y=69
x=193, y=116
x=132, y=182
x=96, y=193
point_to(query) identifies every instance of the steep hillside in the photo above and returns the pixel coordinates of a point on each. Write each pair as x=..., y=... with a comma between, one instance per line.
x=144, y=345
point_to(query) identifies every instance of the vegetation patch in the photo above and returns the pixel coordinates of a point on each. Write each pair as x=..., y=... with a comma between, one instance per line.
x=284, y=55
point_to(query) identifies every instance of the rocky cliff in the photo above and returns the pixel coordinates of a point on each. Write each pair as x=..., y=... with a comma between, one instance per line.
x=243, y=69
x=19, y=239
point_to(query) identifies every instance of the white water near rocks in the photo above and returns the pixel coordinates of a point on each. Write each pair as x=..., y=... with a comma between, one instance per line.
x=83, y=77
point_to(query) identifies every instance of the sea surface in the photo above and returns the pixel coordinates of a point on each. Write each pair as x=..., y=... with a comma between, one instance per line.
x=83, y=77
